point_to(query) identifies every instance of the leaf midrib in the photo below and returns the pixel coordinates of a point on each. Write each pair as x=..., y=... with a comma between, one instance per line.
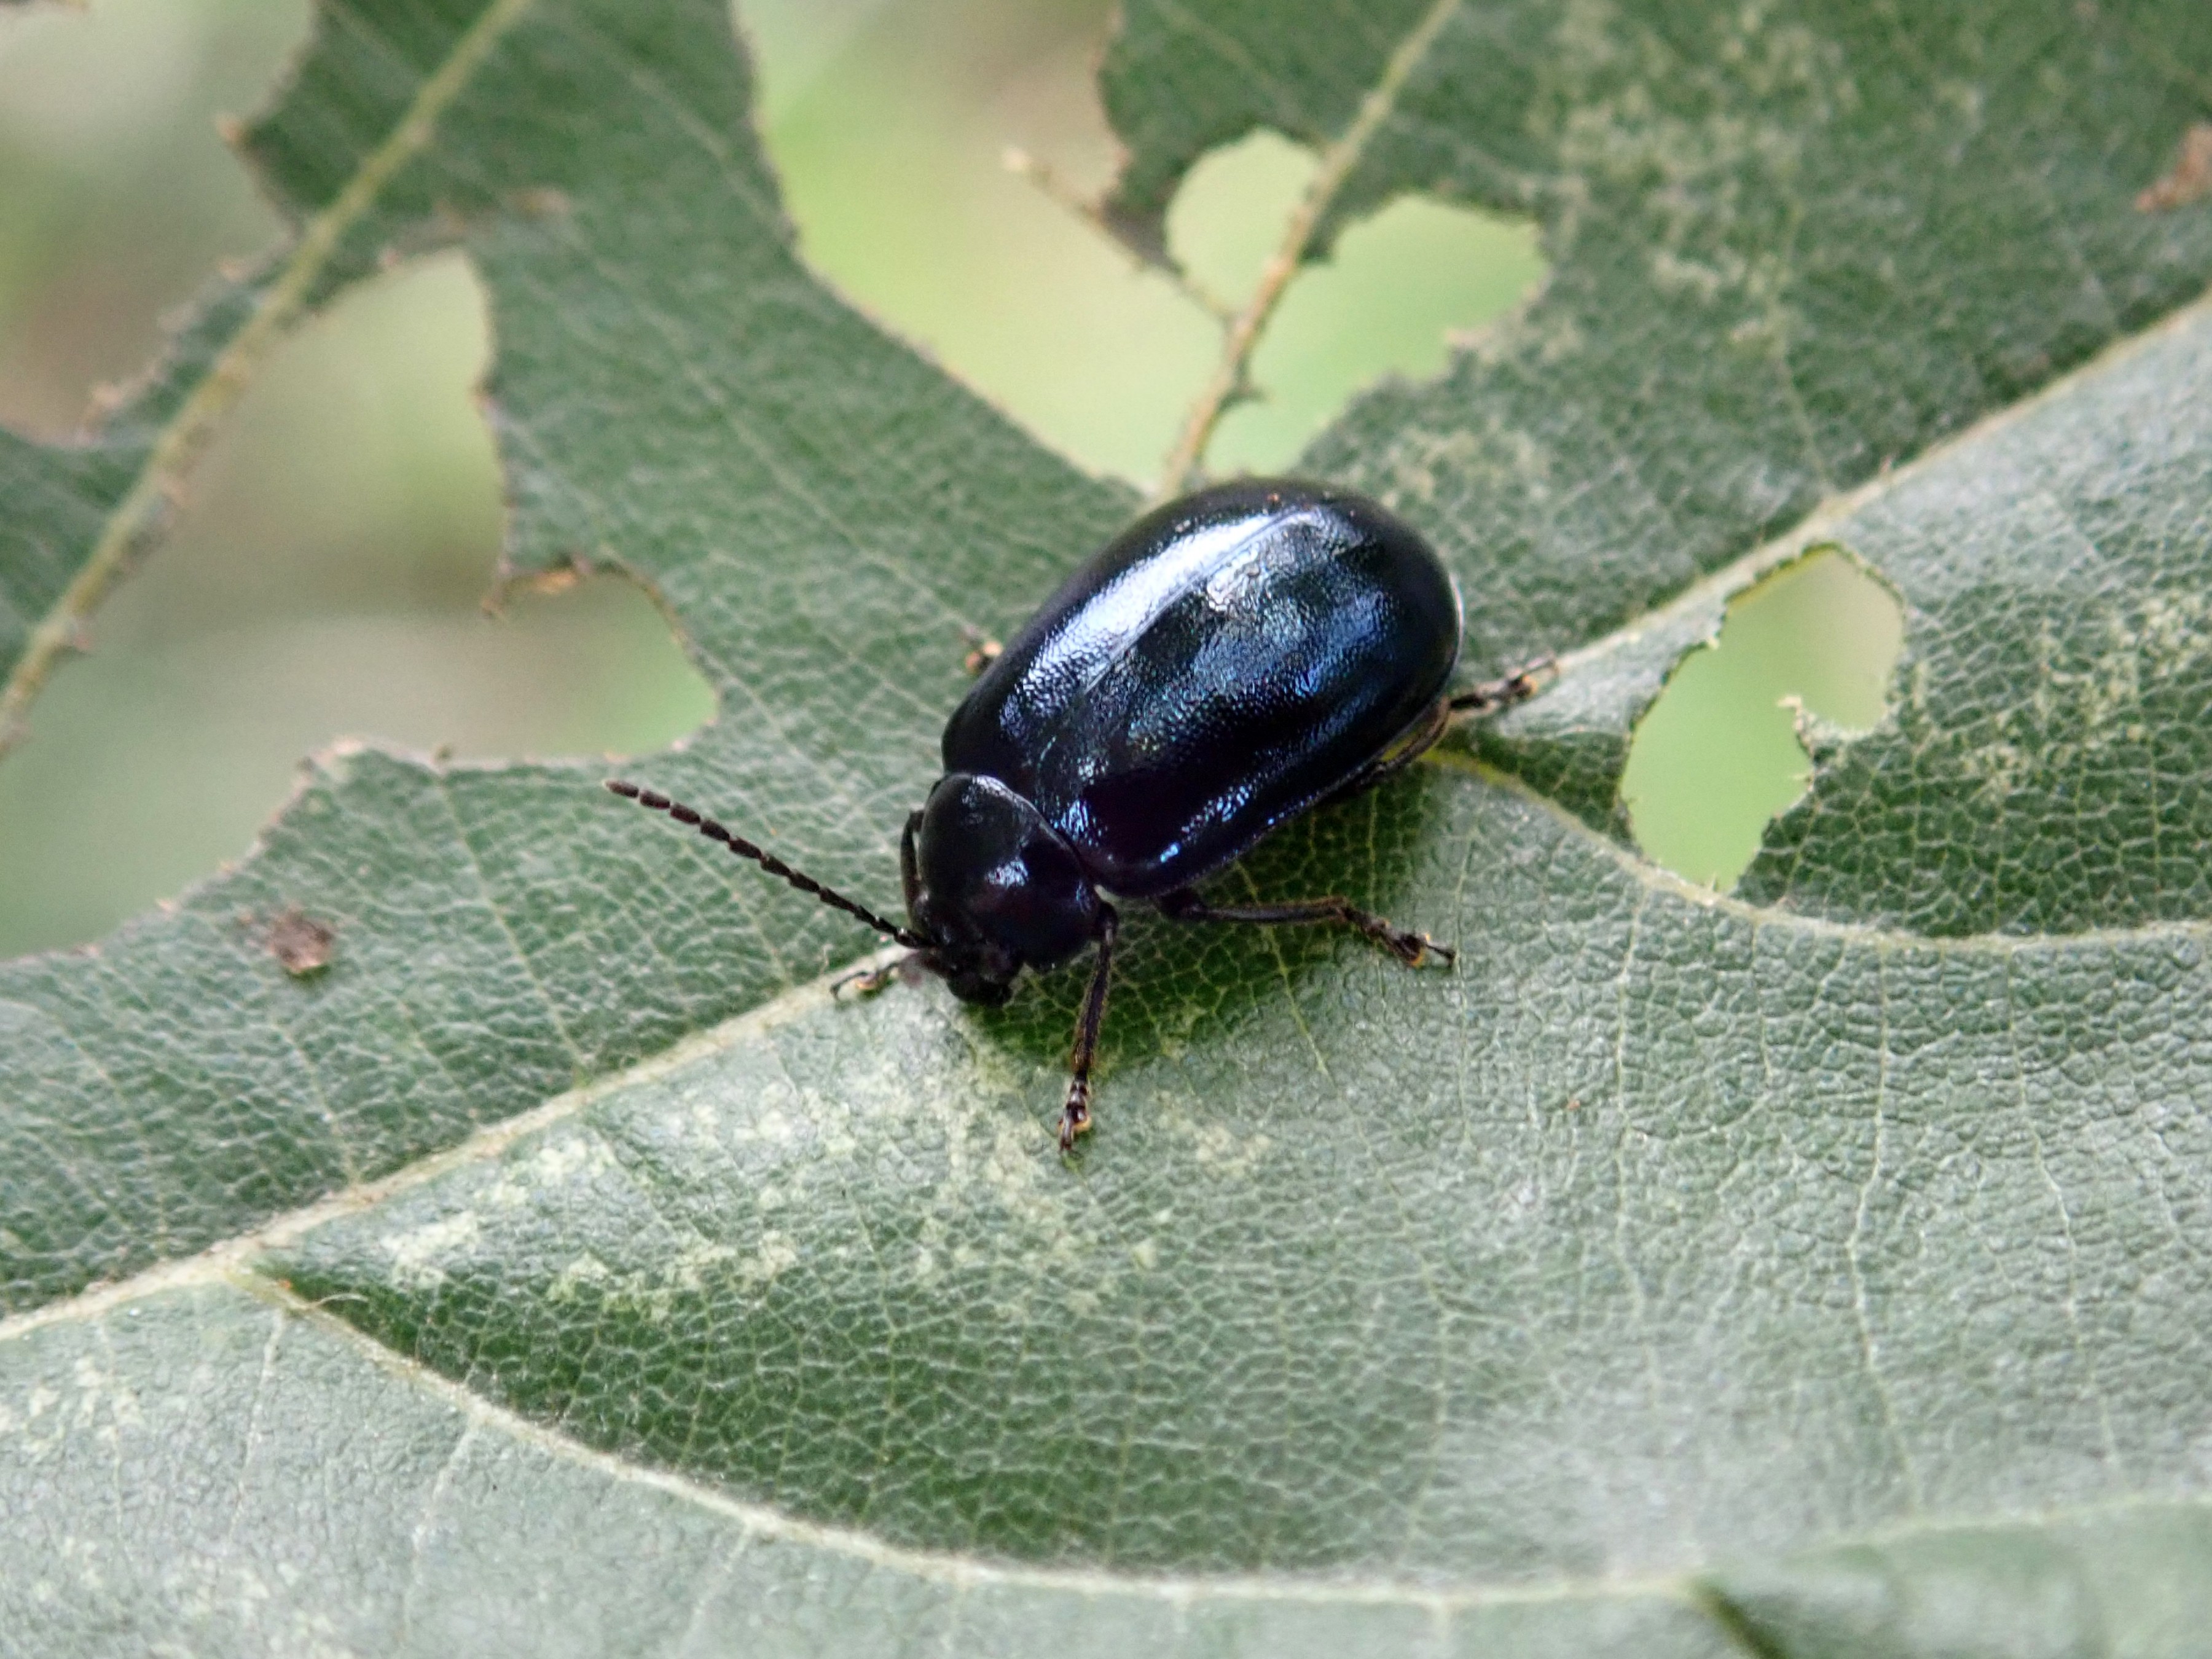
x=1694, y=1590
x=947, y=1566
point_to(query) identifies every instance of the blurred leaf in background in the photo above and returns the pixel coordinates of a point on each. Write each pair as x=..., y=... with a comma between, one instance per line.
x=120, y=197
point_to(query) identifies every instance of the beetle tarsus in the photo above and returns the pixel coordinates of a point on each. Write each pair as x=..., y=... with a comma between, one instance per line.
x=1517, y=686
x=866, y=981
x=982, y=650
x=1411, y=949
x=1075, y=1117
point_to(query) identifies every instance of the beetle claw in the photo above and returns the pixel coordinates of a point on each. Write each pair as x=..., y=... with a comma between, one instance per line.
x=1414, y=949
x=982, y=650
x=1518, y=685
x=1075, y=1118
x=866, y=981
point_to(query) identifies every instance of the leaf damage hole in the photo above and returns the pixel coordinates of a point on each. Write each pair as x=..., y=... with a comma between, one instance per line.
x=1396, y=291
x=888, y=125
x=1719, y=753
x=326, y=579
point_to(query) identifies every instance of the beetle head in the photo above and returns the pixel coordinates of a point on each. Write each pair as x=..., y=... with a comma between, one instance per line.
x=999, y=889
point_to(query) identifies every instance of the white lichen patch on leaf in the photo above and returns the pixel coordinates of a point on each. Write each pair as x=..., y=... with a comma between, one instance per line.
x=1691, y=167
x=2172, y=632
x=2081, y=707
x=95, y=1403
x=1229, y=1151
x=417, y=1255
x=105, y=1405
x=772, y=1257
x=682, y=1277
x=743, y=1145
x=1693, y=172
x=576, y=1275
x=553, y=1165
x=1411, y=466
x=217, y=1592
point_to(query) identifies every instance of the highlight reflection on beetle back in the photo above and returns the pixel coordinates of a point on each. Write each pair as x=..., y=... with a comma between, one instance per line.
x=1281, y=639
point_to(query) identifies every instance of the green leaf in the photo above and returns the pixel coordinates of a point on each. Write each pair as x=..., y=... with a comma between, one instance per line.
x=1790, y=245
x=1682, y=1274
x=2049, y=767
x=289, y=1492
x=2129, y=1579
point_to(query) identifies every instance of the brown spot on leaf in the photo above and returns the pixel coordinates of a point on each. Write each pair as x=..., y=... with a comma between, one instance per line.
x=303, y=945
x=2188, y=179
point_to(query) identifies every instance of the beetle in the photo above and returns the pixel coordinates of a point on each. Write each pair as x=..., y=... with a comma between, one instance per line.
x=1230, y=660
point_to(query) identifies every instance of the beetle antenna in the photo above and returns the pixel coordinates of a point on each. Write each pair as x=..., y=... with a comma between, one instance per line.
x=767, y=861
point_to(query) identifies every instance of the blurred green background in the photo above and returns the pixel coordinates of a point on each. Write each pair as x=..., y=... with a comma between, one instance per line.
x=327, y=575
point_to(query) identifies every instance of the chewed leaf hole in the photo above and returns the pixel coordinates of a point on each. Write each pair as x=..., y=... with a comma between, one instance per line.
x=1389, y=298
x=1718, y=754
x=325, y=580
x=888, y=122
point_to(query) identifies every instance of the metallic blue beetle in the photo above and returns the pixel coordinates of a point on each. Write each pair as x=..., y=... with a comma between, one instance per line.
x=1229, y=661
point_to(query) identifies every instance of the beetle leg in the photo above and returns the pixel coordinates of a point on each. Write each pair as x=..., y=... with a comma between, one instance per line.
x=982, y=649
x=1184, y=905
x=1488, y=698
x=909, y=867
x=1518, y=686
x=866, y=981
x=1075, y=1118
x=1409, y=749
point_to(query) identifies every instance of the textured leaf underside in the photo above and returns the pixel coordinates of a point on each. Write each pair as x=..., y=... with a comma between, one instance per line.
x=1812, y=1271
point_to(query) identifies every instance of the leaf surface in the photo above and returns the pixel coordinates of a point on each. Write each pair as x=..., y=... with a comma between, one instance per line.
x=1814, y=1271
